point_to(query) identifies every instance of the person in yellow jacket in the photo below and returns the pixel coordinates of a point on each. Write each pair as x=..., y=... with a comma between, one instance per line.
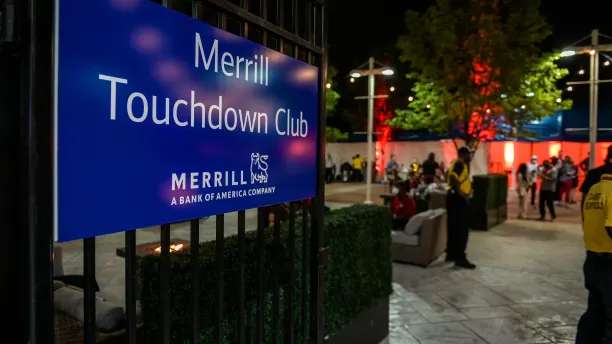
x=595, y=325
x=457, y=203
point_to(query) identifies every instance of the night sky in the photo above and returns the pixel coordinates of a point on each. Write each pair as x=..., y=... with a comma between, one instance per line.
x=357, y=32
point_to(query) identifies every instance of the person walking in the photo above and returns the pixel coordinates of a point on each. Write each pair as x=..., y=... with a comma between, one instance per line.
x=392, y=172
x=595, y=325
x=532, y=173
x=548, y=187
x=522, y=187
x=457, y=202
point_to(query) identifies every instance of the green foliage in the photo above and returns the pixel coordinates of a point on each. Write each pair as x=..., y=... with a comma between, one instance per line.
x=470, y=56
x=331, y=96
x=359, y=270
x=334, y=134
x=352, y=235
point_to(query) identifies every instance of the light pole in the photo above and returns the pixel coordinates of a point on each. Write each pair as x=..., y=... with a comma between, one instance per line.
x=594, y=49
x=371, y=72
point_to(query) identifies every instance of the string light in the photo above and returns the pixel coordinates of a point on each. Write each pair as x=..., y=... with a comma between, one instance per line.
x=581, y=72
x=411, y=98
x=392, y=88
x=328, y=85
x=352, y=80
x=569, y=88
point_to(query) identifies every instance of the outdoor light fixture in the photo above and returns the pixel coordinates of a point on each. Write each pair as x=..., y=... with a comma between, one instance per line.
x=352, y=80
x=594, y=48
x=371, y=68
x=328, y=85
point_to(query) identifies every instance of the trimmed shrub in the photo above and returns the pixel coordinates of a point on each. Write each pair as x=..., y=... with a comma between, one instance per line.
x=357, y=275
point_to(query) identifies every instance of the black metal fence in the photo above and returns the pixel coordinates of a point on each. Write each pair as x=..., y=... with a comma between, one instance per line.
x=293, y=27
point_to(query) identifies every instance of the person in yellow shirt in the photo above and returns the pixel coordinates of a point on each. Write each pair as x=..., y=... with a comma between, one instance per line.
x=457, y=203
x=357, y=167
x=595, y=325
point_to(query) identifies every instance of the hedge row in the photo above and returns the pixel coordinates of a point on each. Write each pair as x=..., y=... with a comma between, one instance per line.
x=358, y=273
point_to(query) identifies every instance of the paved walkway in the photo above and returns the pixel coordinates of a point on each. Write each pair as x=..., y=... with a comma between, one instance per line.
x=527, y=288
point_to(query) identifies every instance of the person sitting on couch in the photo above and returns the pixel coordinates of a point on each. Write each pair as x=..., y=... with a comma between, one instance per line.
x=403, y=207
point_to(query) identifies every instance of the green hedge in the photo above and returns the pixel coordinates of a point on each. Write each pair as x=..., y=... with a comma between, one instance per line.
x=358, y=273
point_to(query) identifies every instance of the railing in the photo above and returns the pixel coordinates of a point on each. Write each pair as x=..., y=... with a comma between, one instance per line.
x=293, y=27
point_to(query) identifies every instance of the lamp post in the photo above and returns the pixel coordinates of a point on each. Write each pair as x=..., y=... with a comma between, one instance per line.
x=594, y=49
x=371, y=72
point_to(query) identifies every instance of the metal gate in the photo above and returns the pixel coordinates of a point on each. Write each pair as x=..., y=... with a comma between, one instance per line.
x=294, y=27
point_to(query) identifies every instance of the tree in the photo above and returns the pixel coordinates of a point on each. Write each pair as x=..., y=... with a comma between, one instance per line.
x=476, y=64
x=331, y=100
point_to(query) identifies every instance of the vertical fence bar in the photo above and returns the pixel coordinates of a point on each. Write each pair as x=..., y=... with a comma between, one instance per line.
x=261, y=224
x=36, y=164
x=164, y=282
x=275, y=277
x=219, y=260
x=241, y=281
x=130, y=285
x=89, y=272
x=305, y=260
x=194, y=244
x=318, y=258
x=289, y=332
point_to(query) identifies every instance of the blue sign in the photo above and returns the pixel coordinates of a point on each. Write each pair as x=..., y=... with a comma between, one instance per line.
x=161, y=118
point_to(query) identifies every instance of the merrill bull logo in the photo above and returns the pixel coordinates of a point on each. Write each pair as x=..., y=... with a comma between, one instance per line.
x=259, y=168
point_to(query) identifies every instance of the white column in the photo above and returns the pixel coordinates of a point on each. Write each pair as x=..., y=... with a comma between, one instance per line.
x=594, y=79
x=369, y=158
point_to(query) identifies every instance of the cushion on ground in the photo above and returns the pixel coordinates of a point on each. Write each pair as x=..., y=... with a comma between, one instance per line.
x=109, y=317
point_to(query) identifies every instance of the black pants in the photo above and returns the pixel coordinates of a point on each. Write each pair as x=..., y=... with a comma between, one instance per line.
x=595, y=326
x=547, y=199
x=329, y=174
x=458, y=232
x=533, y=193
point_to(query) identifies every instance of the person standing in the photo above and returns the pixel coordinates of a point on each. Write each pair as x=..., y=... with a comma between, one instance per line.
x=595, y=325
x=430, y=166
x=548, y=187
x=392, y=172
x=522, y=187
x=457, y=202
x=532, y=173
x=357, y=168
x=330, y=169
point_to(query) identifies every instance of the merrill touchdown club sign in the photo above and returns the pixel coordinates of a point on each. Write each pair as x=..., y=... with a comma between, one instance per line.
x=161, y=118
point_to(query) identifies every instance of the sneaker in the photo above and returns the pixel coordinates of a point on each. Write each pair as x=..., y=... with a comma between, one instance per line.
x=465, y=264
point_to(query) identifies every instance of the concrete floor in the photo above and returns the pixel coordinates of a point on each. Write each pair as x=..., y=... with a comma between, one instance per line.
x=527, y=288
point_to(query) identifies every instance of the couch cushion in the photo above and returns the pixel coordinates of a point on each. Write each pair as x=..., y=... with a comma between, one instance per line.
x=414, y=225
x=401, y=238
x=109, y=317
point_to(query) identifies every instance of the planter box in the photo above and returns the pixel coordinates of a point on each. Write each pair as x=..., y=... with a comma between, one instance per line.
x=371, y=326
